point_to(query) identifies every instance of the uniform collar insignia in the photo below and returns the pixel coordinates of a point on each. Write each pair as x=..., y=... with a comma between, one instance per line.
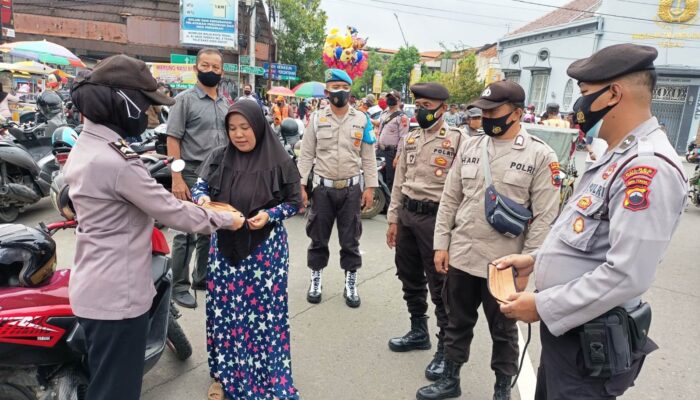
x=519, y=141
x=627, y=143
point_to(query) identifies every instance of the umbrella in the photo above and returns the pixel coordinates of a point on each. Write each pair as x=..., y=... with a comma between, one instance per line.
x=280, y=91
x=43, y=51
x=310, y=89
x=33, y=67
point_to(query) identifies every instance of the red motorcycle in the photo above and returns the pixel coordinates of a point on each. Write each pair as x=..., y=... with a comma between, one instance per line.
x=42, y=345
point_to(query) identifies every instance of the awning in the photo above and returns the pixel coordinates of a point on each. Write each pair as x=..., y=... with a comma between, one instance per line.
x=537, y=68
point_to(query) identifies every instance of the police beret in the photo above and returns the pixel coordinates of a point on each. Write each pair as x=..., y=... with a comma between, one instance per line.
x=612, y=62
x=498, y=94
x=338, y=75
x=431, y=90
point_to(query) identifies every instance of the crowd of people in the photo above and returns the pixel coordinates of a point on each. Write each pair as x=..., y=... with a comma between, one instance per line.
x=472, y=194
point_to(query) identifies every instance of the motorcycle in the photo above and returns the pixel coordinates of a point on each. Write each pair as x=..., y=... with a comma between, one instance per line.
x=693, y=157
x=382, y=194
x=289, y=136
x=42, y=344
x=26, y=168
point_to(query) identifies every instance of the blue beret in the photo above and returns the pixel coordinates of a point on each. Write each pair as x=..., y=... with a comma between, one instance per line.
x=337, y=75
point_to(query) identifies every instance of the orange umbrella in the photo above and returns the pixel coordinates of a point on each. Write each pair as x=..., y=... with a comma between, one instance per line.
x=280, y=91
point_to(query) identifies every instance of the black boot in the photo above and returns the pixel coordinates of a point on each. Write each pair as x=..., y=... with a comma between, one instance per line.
x=437, y=366
x=416, y=339
x=501, y=390
x=447, y=387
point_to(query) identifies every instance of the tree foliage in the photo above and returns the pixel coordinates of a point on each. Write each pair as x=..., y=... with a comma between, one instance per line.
x=301, y=36
x=363, y=85
x=399, y=69
x=463, y=84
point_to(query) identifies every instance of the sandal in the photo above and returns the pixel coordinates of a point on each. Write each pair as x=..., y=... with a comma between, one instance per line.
x=215, y=392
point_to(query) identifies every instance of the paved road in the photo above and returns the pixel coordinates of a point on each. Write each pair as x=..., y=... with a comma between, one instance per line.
x=340, y=353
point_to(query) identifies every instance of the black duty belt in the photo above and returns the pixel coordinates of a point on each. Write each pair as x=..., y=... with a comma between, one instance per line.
x=420, y=207
x=384, y=147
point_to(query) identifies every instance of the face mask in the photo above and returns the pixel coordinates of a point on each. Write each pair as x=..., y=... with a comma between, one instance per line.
x=136, y=121
x=339, y=98
x=246, y=92
x=593, y=132
x=586, y=118
x=208, y=79
x=391, y=102
x=428, y=118
x=495, y=127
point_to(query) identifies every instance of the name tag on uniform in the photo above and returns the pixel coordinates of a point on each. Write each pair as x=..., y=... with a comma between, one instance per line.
x=411, y=158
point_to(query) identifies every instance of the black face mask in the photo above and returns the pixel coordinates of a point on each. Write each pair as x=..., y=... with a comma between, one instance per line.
x=586, y=118
x=495, y=127
x=339, y=98
x=246, y=92
x=390, y=101
x=208, y=79
x=427, y=118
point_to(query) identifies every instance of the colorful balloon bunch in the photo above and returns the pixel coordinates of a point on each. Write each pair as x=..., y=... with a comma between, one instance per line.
x=346, y=52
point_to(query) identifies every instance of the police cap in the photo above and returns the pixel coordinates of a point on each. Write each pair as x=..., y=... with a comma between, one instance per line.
x=474, y=112
x=613, y=62
x=431, y=90
x=498, y=94
x=394, y=93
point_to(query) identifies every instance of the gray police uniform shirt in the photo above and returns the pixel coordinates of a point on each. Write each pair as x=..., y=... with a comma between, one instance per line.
x=116, y=200
x=590, y=264
x=523, y=170
x=198, y=121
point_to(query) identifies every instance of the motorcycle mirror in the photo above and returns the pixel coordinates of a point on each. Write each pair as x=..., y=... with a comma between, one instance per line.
x=177, y=166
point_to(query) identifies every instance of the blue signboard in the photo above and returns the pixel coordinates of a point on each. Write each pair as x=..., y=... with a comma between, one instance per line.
x=209, y=23
x=281, y=71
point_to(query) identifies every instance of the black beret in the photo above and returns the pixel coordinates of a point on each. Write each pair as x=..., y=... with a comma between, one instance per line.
x=433, y=91
x=498, y=94
x=613, y=62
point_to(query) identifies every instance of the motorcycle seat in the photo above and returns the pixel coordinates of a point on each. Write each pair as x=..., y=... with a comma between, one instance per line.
x=159, y=267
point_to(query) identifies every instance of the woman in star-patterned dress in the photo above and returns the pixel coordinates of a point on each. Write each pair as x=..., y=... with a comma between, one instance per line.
x=247, y=314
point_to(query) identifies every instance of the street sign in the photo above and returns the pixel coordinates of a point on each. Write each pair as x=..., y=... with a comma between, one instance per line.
x=245, y=60
x=281, y=69
x=247, y=69
x=231, y=68
x=182, y=59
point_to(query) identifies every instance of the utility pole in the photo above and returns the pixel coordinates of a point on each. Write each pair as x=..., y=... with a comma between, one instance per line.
x=401, y=29
x=251, y=41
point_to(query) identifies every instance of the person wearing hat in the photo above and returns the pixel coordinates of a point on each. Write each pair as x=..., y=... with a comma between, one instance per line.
x=111, y=287
x=393, y=127
x=554, y=119
x=195, y=128
x=341, y=141
x=280, y=111
x=427, y=156
x=507, y=163
x=601, y=255
x=473, y=122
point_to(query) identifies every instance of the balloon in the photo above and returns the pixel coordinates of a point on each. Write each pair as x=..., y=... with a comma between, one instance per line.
x=358, y=57
x=338, y=52
x=344, y=50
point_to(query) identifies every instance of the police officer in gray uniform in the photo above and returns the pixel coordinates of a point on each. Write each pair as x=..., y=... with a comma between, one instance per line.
x=603, y=251
x=111, y=288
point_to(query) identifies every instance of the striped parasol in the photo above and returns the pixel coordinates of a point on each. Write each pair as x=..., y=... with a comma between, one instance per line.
x=43, y=51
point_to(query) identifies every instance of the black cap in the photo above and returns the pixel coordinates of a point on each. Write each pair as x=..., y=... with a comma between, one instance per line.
x=552, y=107
x=613, y=62
x=121, y=71
x=394, y=93
x=431, y=90
x=498, y=94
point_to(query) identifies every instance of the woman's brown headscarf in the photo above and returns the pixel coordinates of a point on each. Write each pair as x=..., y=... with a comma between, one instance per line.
x=260, y=179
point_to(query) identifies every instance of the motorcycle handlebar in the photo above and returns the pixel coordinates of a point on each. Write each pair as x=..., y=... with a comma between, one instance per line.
x=160, y=165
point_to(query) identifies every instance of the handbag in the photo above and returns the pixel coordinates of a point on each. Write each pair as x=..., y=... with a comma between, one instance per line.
x=503, y=214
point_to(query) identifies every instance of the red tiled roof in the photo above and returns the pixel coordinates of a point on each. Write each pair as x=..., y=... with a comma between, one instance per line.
x=431, y=54
x=561, y=16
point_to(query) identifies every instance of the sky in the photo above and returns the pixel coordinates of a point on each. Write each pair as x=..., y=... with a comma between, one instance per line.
x=456, y=23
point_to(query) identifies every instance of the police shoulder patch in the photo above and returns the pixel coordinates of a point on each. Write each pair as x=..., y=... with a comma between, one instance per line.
x=124, y=150
x=637, y=180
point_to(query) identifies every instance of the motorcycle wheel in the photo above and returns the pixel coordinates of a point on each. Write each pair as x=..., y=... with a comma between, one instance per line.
x=12, y=392
x=177, y=341
x=566, y=193
x=9, y=214
x=378, y=204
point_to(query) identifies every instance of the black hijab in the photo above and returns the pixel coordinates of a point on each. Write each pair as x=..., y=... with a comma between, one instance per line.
x=260, y=179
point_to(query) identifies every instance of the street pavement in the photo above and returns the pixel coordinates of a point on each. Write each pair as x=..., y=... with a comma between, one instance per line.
x=341, y=353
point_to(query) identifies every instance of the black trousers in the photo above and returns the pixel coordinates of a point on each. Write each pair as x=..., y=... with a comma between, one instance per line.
x=116, y=352
x=463, y=293
x=415, y=265
x=184, y=244
x=331, y=205
x=388, y=171
x=561, y=372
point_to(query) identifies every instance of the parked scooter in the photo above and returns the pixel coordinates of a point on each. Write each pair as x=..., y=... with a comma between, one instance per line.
x=290, y=135
x=382, y=194
x=42, y=345
x=693, y=157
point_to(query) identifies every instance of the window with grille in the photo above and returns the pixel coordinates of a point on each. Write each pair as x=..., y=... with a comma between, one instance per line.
x=513, y=76
x=538, y=90
x=568, y=95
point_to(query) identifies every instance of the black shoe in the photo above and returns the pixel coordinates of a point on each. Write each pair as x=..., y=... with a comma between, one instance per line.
x=199, y=285
x=416, y=339
x=447, y=387
x=436, y=368
x=314, y=294
x=185, y=299
x=352, y=298
x=501, y=390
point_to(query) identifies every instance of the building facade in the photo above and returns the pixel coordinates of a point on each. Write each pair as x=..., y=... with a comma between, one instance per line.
x=538, y=54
